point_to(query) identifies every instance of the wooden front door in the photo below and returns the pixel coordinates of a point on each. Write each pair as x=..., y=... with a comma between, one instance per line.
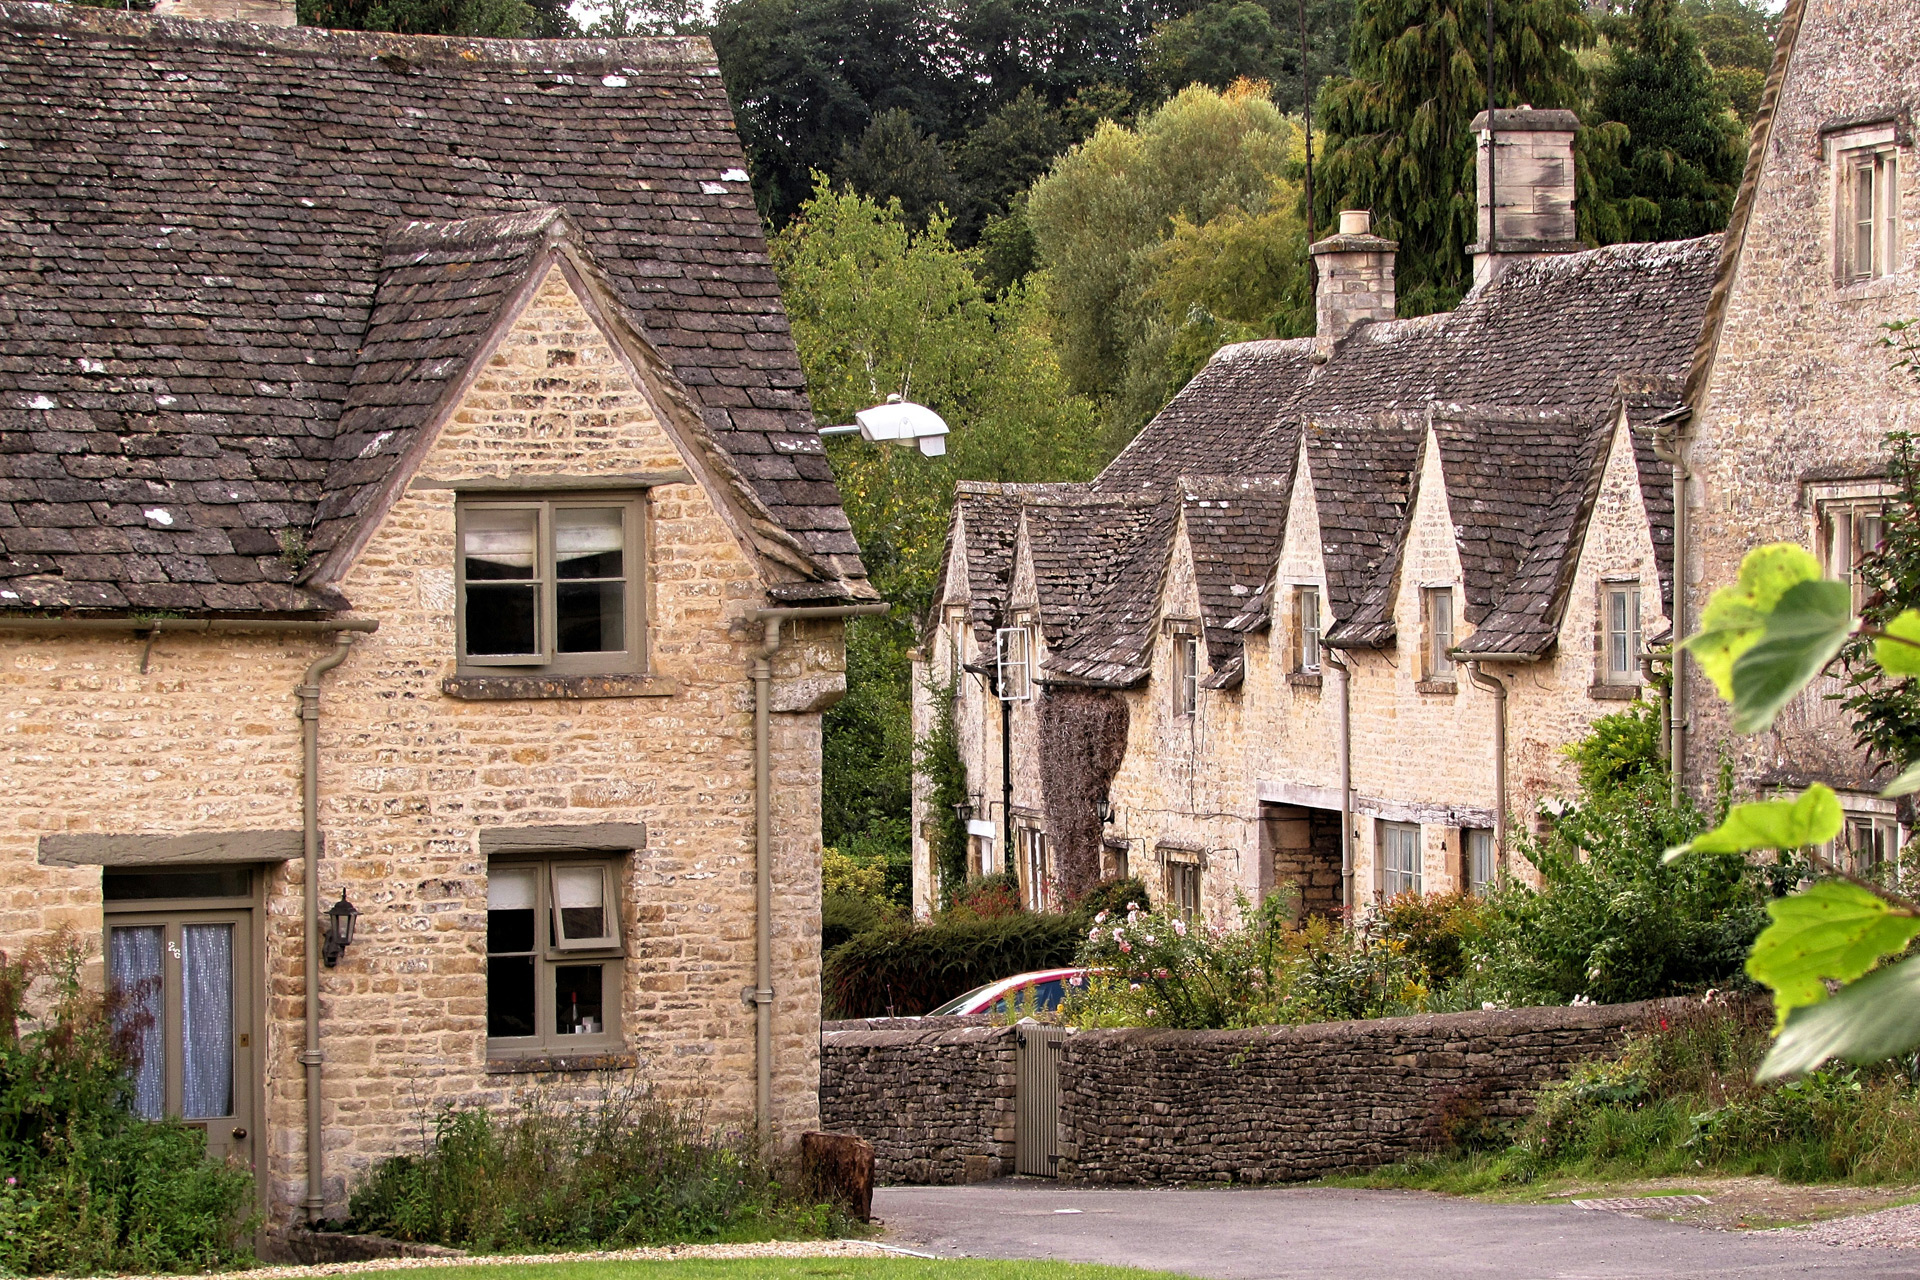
x=182, y=983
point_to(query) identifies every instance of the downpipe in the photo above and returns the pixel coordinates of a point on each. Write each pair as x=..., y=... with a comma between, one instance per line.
x=1498, y=688
x=1666, y=447
x=1343, y=753
x=759, y=996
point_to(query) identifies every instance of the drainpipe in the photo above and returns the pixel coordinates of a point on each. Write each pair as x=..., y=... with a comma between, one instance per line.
x=1666, y=447
x=1494, y=686
x=760, y=994
x=1343, y=751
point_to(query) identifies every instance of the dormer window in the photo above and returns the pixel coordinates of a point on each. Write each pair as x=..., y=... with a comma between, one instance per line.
x=1622, y=633
x=551, y=585
x=1186, y=673
x=1436, y=604
x=1306, y=612
x=1013, y=661
x=1866, y=203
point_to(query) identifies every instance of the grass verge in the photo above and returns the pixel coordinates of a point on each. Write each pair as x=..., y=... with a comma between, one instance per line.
x=799, y=1269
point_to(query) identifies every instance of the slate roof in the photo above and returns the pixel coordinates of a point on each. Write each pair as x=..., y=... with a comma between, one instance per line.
x=1525, y=381
x=211, y=309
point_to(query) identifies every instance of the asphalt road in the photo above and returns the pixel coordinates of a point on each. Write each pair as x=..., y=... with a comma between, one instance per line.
x=1270, y=1233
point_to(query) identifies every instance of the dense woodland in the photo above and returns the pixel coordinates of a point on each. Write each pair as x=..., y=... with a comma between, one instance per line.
x=1040, y=217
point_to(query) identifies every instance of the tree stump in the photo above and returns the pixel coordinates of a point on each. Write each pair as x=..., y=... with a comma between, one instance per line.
x=840, y=1165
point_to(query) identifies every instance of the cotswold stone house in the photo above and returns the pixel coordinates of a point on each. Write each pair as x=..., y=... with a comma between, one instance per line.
x=1329, y=618
x=1791, y=392
x=410, y=500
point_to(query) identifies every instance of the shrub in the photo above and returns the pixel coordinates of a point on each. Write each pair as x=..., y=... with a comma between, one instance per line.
x=911, y=968
x=630, y=1170
x=843, y=917
x=91, y=1187
x=985, y=898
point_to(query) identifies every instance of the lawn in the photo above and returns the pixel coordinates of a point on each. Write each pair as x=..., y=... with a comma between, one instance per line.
x=794, y=1269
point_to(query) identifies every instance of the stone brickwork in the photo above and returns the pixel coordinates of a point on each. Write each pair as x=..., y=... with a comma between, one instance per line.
x=205, y=738
x=935, y=1101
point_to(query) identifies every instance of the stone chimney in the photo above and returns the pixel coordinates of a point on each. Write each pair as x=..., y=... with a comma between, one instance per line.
x=268, y=13
x=1353, y=278
x=1533, y=182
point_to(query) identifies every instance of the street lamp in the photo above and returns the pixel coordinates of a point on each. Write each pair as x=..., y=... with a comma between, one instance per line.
x=898, y=422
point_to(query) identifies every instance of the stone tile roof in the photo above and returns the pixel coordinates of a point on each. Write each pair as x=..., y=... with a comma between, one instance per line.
x=1235, y=527
x=196, y=225
x=1113, y=645
x=1079, y=544
x=1227, y=421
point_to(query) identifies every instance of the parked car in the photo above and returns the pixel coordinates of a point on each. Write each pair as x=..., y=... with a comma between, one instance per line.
x=1043, y=990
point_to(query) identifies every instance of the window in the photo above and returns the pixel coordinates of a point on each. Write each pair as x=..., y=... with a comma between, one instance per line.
x=1183, y=888
x=1033, y=867
x=1399, y=858
x=956, y=646
x=1873, y=843
x=1867, y=213
x=1437, y=604
x=1483, y=872
x=1306, y=609
x=553, y=956
x=1013, y=648
x=1622, y=624
x=1186, y=674
x=551, y=585
x=1849, y=533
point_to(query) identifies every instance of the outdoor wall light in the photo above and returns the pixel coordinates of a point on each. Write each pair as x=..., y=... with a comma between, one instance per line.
x=965, y=810
x=1103, y=810
x=340, y=918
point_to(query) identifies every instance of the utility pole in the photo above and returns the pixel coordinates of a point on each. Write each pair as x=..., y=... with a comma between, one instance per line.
x=1493, y=201
x=1306, y=111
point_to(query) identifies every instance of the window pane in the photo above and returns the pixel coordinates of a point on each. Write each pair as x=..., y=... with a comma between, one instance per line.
x=589, y=542
x=1480, y=868
x=511, y=903
x=591, y=617
x=502, y=621
x=576, y=1003
x=134, y=886
x=206, y=1018
x=500, y=544
x=1863, y=220
x=1440, y=624
x=133, y=976
x=580, y=896
x=509, y=994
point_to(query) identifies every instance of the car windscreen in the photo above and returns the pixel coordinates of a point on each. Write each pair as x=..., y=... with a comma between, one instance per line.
x=959, y=1002
x=1040, y=997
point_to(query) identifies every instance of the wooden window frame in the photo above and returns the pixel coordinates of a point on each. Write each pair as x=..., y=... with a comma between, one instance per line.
x=1475, y=883
x=1866, y=241
x=546, y=660
x=1621, y=642
x=1186, y=674
x=1396, y=880
x=1439, y=663
x=1013, y=662
x=550, y=952
x=1306, y=638
x=1846, y=537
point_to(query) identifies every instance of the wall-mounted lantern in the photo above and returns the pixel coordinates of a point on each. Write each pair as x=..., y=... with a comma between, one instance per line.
x=1103, y=809
x=340, y=918
x=965, y=810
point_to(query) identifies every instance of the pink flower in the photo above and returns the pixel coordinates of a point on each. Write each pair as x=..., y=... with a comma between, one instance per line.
x=1101, y=918
x=1151, y=940
x=1133, y=986
x=1126, y=946
x=1119, y=935
x=1133, y=906
x=1180, y=927
x=1161, y=974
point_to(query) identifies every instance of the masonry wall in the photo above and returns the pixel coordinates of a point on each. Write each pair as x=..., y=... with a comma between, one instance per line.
x=1800, y=387
x=936, y=1102
x=206, y=739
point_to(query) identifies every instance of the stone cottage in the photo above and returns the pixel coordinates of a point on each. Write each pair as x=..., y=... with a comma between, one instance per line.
x=1328, y=619
x=410, y=505
x=1792, y=393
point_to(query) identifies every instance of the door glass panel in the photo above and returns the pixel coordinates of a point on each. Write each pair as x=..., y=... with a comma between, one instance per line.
x=133, y=975
x=206, y=1016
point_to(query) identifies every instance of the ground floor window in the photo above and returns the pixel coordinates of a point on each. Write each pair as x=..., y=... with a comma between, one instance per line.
x=1399, y=858
x=1872, y=843
x=1482, y=872
x=1032, y=845
x=1183, y=888
x=553, y=955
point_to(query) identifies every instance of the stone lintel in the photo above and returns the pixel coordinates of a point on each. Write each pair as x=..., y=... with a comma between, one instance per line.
x=529, y=688
x=592, y=837
x=163, y=851
x=536, y=483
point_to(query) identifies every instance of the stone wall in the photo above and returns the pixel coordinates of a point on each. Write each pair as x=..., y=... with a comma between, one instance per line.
x=1264, y=1105
x=936, y=1102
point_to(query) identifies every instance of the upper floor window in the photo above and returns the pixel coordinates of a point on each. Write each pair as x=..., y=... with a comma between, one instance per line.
x=1186, y=673
x=1622, y=633
x=1866, y=202
x=956, y=629
x=1399, y=858
x=1306, y=610
x=1183, y=887
x=551, y=585
x=1013, y=662
x=1436, y=604
x=1850, y=531
x=553, y=955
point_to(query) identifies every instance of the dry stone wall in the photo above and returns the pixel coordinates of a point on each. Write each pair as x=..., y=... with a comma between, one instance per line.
x=936, y=1102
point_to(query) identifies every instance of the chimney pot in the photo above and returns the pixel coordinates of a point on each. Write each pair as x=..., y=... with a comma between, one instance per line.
x=269, y=13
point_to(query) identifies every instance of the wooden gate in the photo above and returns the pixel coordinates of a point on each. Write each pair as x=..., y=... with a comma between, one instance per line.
x=1036, y=1100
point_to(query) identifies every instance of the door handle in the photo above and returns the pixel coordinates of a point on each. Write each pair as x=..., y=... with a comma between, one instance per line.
x=239, y=1133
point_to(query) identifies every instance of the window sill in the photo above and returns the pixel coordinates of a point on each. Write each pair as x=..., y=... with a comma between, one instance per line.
x=1436, y=686
x=473, y=688
x=1304, y=679
x=1613, y=692
x=605, y=1060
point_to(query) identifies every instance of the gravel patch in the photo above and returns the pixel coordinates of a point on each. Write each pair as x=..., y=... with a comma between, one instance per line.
x=1896, y=1228
x=662, y=1253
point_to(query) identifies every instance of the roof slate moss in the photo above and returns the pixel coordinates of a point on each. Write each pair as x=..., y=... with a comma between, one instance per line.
x=210, y=310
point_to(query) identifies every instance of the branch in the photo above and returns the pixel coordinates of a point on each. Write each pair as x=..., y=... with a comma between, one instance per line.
x=1906, y=904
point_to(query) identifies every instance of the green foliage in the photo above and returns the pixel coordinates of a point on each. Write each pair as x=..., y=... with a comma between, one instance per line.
x=1227, y=40
x=91, y=1188
x=503, y=19
x=1736, y=617
x=1397, y=136
x=911, y=968
x=1736, y=37
x=1619, y=750
x=1886, y=711
x=943, y=767
x=631, y=1169
x=893, y=160
x=844, y=916
x=1833, y=931
x=1141, y=285
x=849, y=877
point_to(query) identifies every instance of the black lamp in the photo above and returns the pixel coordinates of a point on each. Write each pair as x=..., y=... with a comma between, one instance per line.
x=965, y=810
x=340, y=918
x=1103, y=810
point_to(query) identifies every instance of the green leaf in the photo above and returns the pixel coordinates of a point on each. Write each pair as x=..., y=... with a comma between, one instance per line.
x=1833, y=931
x=1814, y=817
x=1872, y=1019
x=1735, y=617
x=1804, y=632
x=1895, y=658
x=1904, y=785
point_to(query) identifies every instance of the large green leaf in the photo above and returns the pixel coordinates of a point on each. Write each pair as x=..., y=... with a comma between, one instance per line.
x=1870, y=1020
x=1895, y=657
x=1904, y=785
x=1833, y=931
x=1809, y=623
x=1814, y=817
x=1735, y=617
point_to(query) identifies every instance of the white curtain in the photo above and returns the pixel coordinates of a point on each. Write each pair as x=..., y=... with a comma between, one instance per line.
x=206, y=994
x=133, y=973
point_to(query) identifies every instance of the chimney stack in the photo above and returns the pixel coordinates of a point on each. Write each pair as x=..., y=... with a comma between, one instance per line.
x=268, y=13
x=1353, y=282
x=1533, y=181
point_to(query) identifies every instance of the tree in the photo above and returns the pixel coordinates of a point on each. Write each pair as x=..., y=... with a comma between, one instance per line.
x=1679, y=168
x=1130, y=206
x=1397, y=127
x=486, y=18
x=1737, y=38
x=895, y=161
x=1229, y=40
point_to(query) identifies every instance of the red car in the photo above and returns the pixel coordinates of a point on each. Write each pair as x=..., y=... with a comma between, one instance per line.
x=1042, y=990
